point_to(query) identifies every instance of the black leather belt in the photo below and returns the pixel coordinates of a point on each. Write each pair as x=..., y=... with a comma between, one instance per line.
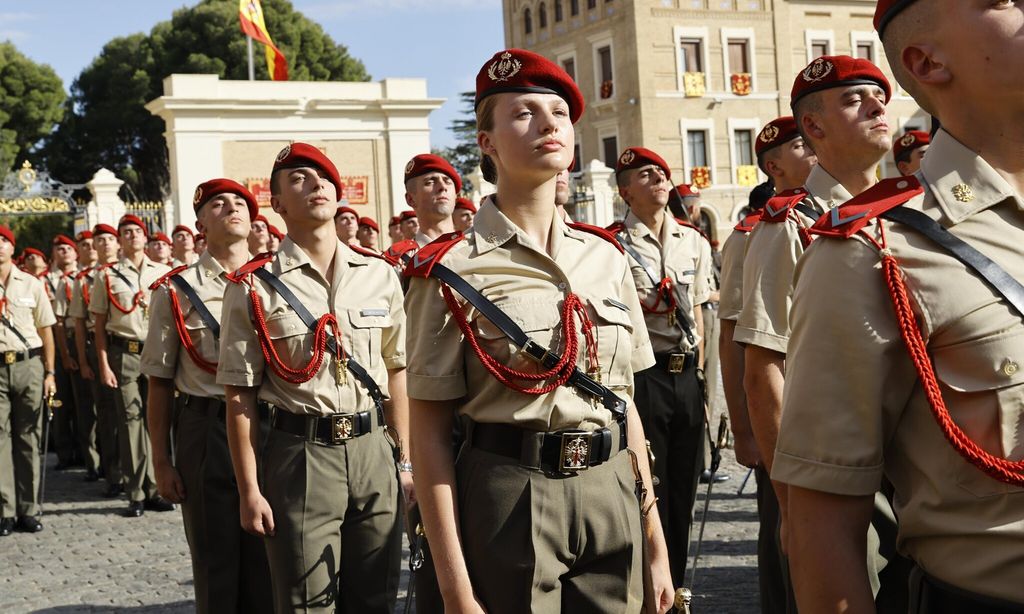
x=12, y=357
x=932, y=596
x=562, y=452
x=125, y=345
x=204, y=404
x=675, y=363
x=335, y=430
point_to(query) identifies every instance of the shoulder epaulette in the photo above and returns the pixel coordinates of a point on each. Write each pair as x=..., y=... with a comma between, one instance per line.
x=258, y=262
x=163, y=279
x=853, y=215
x=777, y=209
x=597, y=231
x=616, y=227
x=430, y=254
x=747, y=224
x=84, y=272
x=393, y=255
x=362, y=251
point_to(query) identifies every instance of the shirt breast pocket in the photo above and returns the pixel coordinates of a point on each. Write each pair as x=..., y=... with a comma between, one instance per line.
x=290, y=337
x=614, y=334
x=538, y=319
x=367, y=329
x=983, y=387
x=201, y=337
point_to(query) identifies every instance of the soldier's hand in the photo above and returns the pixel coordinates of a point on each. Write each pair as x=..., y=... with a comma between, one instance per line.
x=408, y=490
x=256, y=515
x=662, y=593
x=87, y=373
x=107, y=377
x=69, y=363
x=746, y=451
x=169, y=483
x=49, y=386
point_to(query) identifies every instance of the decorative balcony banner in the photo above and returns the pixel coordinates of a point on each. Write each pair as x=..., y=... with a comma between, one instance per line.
x=746, y=175
x=693, y=84
x=700, y=177
x=606, y=89
x=741, y=84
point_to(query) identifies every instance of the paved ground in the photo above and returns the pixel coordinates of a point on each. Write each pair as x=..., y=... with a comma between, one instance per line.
x=90, y=559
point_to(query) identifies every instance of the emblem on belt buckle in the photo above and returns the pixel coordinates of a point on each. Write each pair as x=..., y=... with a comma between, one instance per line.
x=10, y=357
x=341, y=428
x=676, y=363
x=575, y=454
x=133, y=347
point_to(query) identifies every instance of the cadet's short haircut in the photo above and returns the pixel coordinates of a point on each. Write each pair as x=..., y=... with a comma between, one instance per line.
x=904, y=29
x=811, y=103
x=275, y=187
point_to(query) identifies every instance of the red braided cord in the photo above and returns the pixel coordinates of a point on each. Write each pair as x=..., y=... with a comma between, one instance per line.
x=664, y=289
x=186, y=339
x=270, y=355
x=996, y=467
x=561, y=371
x=118, y=306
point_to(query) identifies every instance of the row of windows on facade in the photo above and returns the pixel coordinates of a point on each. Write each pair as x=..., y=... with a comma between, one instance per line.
x=542, y=13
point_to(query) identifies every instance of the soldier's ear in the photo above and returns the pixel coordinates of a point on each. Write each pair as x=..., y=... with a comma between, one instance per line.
x=926, y=64
x=809, y=125
x=483, y=140
x=275, y=204
x=408, y=200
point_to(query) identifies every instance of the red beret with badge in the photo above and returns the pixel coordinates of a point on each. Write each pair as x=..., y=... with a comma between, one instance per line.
x=777, y=132
x=64, y=240
x=831, y=71
x=132, y=220
x=636, y=157
x=521, y=71
x=686, y=190
x=369, y=222
x=103, y=229
x=7, y=233
x=298, y=155
x=213, y=187
x=346, y=209
x=465, y=204
x=406, y=215
x=261, y=218
x=394, y=221
x=429, y=163
x=886, y=10
x=30, y=251
x=910, y=141
x=82, y=236
x=182, y=228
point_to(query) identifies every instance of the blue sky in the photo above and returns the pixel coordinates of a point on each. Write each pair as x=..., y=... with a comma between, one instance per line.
x=444, y=41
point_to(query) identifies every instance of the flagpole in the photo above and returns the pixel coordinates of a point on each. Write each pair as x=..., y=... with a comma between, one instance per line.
x=252, y=69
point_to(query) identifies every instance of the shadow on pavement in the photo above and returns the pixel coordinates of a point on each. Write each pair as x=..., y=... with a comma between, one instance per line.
x=163, y=608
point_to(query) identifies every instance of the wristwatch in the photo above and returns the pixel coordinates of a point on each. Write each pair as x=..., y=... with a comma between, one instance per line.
x=405, y=467
x=49, y=372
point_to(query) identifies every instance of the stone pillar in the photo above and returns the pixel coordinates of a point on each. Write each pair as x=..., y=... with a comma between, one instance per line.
x=106, y=206
x=600, y=181
x=481, y=187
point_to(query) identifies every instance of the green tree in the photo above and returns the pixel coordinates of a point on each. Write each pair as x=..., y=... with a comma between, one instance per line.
x=31, y=103
x=107, y=123
x=465, y=155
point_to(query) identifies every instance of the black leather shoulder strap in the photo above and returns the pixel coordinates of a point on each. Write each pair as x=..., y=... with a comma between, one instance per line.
x=197, y=303
x=807, y=210
x=113, y=268
x=994, y=275
x=549, y=359
x=681, y=317
x=307, y=318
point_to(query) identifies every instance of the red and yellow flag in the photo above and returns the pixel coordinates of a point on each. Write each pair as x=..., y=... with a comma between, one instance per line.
x=250, y=14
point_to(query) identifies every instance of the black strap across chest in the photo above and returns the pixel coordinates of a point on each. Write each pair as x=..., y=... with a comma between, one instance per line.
x=307, y=318
x=993, y=274
x=546, y=357
x=681, y=316
x=807, y=210
x=131, y=286
x=197, y=304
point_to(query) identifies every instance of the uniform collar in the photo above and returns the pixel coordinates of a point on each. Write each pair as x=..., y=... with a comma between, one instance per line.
x=290, y=256
x=961, y=181
x=491, y=229
x=208, y=267
x=825, y=188
x=637, y=229
x=146, y=263
x=421, y=239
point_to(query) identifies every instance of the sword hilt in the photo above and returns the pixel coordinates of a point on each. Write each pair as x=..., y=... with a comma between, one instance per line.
x=683, y=599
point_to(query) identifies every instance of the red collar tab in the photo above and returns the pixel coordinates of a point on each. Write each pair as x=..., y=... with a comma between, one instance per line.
x=369, y=253
x=777, y=209
x=597, y=231
x=616, y=227
x=258, y=262
x=846, y=220
x=393, y=254
x=747, y=224
x=156, y=284
x=424, y=260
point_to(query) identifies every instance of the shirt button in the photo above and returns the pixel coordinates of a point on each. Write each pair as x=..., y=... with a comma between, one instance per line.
x=209, y=274
x=561, y=286
x=289, y=262
x=1010, y=368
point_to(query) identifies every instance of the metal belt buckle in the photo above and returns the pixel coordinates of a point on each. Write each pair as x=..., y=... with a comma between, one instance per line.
x=575, y=452
x=341, y=428
x=676, y=363
x=10, y=357
x=133, y=347
x=535, y=351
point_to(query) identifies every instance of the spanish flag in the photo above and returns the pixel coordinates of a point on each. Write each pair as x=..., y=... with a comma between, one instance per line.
x=250, y=14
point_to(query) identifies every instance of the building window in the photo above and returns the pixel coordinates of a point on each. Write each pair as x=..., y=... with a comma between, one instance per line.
x=542, y=16
x=591, y=4
x=574, y=7
x=610, y=150
x=689, y=50
x=569, y=66
x=865, y=50
x=697, y=147
x=558, y=11
x=577, y=158
x=739, y=59
x=819, y=48
x=605, y=73
x=743, y=145
x=527, y=21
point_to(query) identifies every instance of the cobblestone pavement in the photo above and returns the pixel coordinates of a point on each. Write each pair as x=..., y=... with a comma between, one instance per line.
x=90, y=559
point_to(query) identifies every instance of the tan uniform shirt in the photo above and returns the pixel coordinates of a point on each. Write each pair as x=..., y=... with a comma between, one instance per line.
x=27, y=308
x=81, y=288
x=366, y=297
x=163, y=355
x=510, y=269
x=842, y=433
x=681, y=254
x=422, y=239
x=135, y=324
x=731, y=294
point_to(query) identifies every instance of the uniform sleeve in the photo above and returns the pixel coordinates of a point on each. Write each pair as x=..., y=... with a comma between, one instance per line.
x=834, y=427
x=642, y=356
x=392, y=347
x=772, y=254
x=76, y=308
x=241, y=361
x=436, y=368
x=160, y=352
x=43, y=312
x=98, y=293
x=60, y=303
x=731, y=301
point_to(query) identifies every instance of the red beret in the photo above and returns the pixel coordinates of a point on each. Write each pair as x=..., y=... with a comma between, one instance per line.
x=909, y=142
x=830, y=71
x=5, y=232
x=886, y=10
x=64, y=240
x=82, y=236
x=395, y=221
x=518, y=70
x=182, y=228
x=346, y=209
x=635, y=157
x=778, y=132
x=100, y=229
x=465, y=203
x=369, y=221
x=31, y=251
x=406, y=215
x=129, y=220
x=274, y=230
x=213, y=187
x=159, y=236
x=429, y=163
x=262, y=218
x=201, y=236
x=298, y=155
x=686, y=190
